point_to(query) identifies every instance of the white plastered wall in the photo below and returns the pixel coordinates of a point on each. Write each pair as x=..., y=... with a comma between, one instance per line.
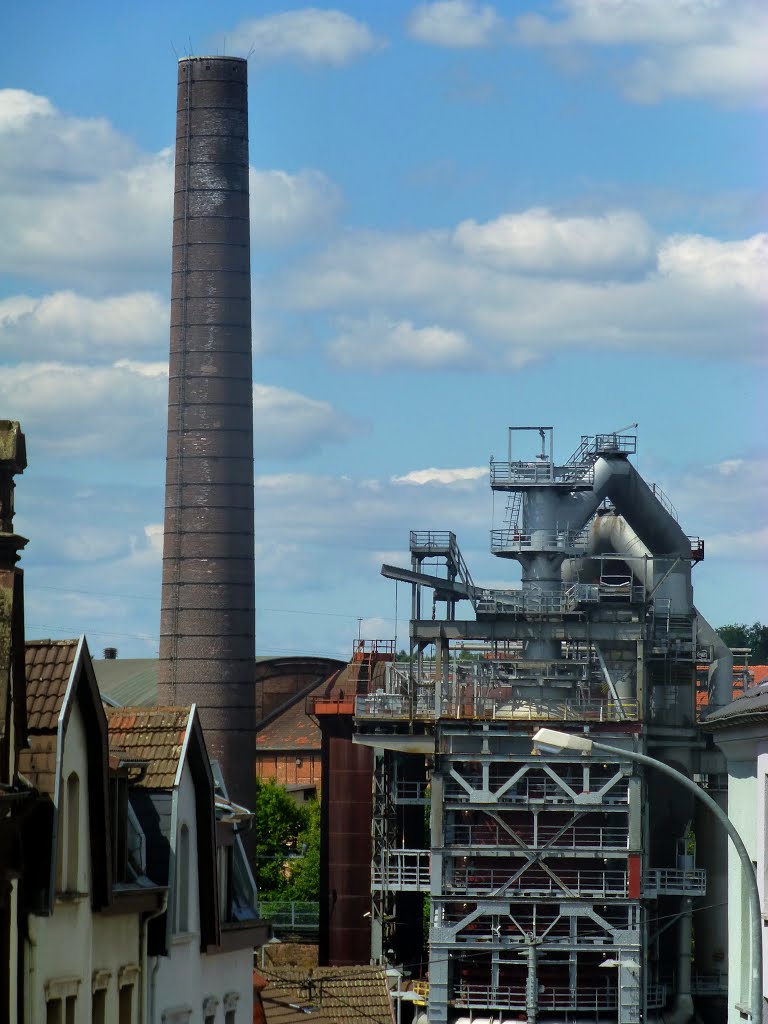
x=188, y=976
x=73, y=942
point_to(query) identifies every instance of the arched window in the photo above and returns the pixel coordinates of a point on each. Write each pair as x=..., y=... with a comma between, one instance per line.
x=72, y=833
x=182, y=881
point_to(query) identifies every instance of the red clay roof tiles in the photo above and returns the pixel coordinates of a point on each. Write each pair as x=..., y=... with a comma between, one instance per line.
x=155, y=735
x=48, y=669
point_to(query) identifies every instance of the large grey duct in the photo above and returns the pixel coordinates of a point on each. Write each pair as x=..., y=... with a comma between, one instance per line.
x=207, y=641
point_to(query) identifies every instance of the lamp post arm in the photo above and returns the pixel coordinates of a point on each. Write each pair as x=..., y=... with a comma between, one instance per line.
x=753, y=893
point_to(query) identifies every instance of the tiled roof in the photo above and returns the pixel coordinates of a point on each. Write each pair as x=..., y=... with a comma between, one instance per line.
x=48, y=669
x=37, y=762
x=757, y=674
x=327, y=995
x=155, y=735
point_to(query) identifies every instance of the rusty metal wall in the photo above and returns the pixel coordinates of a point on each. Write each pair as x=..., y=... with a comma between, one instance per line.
x=345, y=852
x=207, y=618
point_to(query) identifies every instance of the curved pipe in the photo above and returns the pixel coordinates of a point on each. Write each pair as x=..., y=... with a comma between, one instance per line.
x=616, y=478
x=720, y=672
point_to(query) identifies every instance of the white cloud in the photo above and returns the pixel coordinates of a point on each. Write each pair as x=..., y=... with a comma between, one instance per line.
x=80, y=204
x=712, y=265
x=78, y=410
x=287, y=423
x=70, y=409
x=537, y=240
x=693, y=293
x=286, y=207
x=310, y=34
x=454, y=23
x=39, y=144
x=69, y=324
x=707, y=48
x=378, y=343
x=443, y=477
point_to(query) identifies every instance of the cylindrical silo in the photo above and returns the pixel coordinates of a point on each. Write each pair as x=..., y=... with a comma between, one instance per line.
x=207, y=619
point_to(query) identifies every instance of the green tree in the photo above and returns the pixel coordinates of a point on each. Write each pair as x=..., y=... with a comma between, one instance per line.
x=303, y=883
x=287, y=845
x=742, y=635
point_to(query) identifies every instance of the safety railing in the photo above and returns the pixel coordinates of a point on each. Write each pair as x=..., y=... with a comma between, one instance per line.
x=709, y=984
x=397, y=707
x=511, y=539
x=534, y=788
x=404, y=871
x=411, y=792
x=540, y=473
x=536, y=602
x=549, y=997
x=575, y=837
x=664, y=501
x=482, y=881
x=432, y=542
x=676, y=882
x=290, y=917
x=526, y=709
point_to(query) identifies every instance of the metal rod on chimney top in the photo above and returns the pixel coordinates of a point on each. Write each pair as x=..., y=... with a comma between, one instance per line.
x=207, y=642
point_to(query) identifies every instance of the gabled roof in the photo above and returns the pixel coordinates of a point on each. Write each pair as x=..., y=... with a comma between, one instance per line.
x=166, y=739
x=327, y=995
x=60, y=676
x=49, y=665
x=155, y=735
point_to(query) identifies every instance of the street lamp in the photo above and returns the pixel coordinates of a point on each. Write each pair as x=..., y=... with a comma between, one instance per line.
x=554, y=742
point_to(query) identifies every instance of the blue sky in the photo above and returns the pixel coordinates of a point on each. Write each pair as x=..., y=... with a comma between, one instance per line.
x=465, y=216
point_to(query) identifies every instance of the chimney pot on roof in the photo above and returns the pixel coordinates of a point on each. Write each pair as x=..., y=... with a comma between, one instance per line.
x=110, y=653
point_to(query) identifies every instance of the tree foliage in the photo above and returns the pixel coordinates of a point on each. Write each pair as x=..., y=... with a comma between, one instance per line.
x=742, y=635
x=287, y=845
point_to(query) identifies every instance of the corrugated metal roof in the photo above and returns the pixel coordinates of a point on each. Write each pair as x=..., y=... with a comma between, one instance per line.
x=133, y=681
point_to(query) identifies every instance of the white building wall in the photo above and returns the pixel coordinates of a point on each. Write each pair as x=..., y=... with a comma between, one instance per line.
x=65, y=949
x=185, y=979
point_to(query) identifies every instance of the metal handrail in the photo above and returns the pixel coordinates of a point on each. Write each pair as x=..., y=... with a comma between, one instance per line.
x=578, y=837
x=513, y=997
x=396, y=706
x=482, y=880
x=513, y=539
x=290, y=915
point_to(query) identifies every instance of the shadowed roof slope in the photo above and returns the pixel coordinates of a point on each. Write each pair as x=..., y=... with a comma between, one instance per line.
x=155, y=735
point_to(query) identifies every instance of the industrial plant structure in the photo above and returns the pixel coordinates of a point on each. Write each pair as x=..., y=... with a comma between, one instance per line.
x=207, y=634
x=557, y=889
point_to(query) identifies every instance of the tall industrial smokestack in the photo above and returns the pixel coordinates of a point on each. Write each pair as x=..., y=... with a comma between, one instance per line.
x=207, y=641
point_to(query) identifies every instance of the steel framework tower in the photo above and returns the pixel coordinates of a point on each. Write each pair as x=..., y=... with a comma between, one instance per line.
x=559, y=889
